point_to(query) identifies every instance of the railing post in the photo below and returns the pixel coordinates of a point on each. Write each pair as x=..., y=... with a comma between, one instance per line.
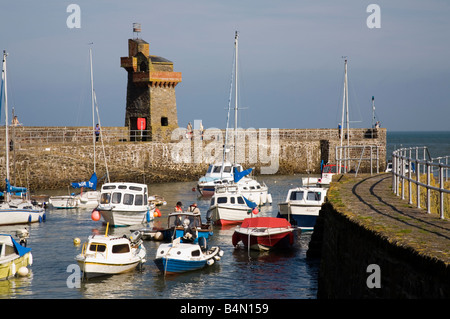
x=441, y=191
x=409, y=180
x=418, y=181
x=428, y=188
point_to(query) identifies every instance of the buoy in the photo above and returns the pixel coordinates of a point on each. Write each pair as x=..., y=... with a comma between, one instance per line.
x=155, y=214
x=23, y=271
x=76, y=241
x=95, y=216
x=158, y=212
x=255, y=211
x=193, y=189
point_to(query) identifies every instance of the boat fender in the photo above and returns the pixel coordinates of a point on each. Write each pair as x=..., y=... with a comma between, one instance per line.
x=95, y=216
x=23, y=271
x=44, y=217
x=217, y=257
x=148, y=216
x=40, y=219
x=269, y=198
x=210, y=261
x=255, y=211
x=159, y=236
x=30, y=259
x=13, y=268
x=220, y=253
x=29, y=218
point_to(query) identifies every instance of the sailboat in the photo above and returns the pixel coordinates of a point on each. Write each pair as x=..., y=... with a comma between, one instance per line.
x=91, y=197
x=223, y=174
x=20, y=209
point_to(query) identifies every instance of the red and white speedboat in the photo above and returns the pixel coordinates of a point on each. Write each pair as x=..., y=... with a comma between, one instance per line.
x=264, y=233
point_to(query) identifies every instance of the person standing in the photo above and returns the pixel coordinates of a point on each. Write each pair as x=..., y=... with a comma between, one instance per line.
x=97, y=132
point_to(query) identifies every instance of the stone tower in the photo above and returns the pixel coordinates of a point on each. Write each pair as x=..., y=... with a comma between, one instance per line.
x=150, y=92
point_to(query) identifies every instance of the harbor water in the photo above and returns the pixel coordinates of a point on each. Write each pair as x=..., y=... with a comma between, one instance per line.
x=239, y=274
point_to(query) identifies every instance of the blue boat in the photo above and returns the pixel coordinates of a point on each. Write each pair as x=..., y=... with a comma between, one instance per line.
x=188, y=251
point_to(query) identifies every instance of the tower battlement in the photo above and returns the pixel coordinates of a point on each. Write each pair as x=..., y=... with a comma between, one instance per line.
x=150, y=92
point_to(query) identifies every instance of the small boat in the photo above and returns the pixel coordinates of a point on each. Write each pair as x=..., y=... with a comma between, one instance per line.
x=327, y=174
x=109, y=255
x=188, y=251
x=229, y=207
x=175, y=220
x=302, y=206
x=217, y=174
x=264, y=233
x=125, y=204
x=85, y=199
x=13, y=257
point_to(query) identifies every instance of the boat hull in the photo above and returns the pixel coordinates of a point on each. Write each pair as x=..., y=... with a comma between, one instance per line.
x=280, y=240
x=126, y=218
x=177, y=257
x=10, y=267
x=303, y=216
x=93, y=268
x=228, y=215
x=63, y=202
x=21, y=216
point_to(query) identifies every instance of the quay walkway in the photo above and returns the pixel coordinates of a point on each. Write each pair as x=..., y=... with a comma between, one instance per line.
x=370, y=200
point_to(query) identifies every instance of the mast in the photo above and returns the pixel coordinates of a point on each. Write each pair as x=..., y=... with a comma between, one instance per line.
x=235, y=93
x=92, y=100
x=344, y=117
x=6, y=113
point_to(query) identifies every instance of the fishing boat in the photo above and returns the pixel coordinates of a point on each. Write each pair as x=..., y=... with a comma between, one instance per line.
x=229, y=206
x=174, y=220
x=302, y=206
x=188, y=250
x=14, y=258
x=264, y=233
x=109, y=255
x=17, y=207
x=124, y=204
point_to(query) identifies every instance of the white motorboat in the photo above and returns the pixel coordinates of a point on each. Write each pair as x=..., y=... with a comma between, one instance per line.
x=125, y=204
x=228, y=206
x=302, y=206
x=109, y=255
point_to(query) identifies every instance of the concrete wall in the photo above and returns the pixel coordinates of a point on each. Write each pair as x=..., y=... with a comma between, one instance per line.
x=44, y=162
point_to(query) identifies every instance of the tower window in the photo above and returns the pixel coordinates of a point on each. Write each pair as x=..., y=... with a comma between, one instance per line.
x=164, y=121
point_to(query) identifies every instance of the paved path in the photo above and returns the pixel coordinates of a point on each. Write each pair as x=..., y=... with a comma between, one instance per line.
x=370, y=199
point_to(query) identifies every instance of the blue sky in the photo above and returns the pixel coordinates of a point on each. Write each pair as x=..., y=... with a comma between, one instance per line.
x=290, y=55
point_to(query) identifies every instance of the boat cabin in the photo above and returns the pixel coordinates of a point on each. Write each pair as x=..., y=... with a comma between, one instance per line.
x=222, y=169
x=109, y=247
x=124, y=193
x=306, y=195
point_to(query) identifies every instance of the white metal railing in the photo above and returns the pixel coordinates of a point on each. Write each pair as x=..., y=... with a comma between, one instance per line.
x=346, y=154
x=408, y=161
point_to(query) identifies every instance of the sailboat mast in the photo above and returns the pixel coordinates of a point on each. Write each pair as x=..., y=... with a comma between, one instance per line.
x=92, y=100
x=6, y=112
x=235, y=94
x=346, y=106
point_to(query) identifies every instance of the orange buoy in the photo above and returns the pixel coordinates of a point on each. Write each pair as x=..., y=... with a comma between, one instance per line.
x=255, y=211
x=95, y=216
x=158, y=212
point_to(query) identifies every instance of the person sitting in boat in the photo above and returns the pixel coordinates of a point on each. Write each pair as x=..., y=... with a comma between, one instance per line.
x=178, y=207
x=190, y=230
x=194, y=209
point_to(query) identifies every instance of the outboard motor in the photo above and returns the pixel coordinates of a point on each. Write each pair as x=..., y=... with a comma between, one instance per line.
x=136, y=237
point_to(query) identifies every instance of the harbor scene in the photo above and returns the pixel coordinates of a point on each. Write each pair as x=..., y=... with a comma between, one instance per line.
x=155, y=181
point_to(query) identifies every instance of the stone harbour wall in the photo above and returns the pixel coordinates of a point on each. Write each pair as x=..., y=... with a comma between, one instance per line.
x=42, y=163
